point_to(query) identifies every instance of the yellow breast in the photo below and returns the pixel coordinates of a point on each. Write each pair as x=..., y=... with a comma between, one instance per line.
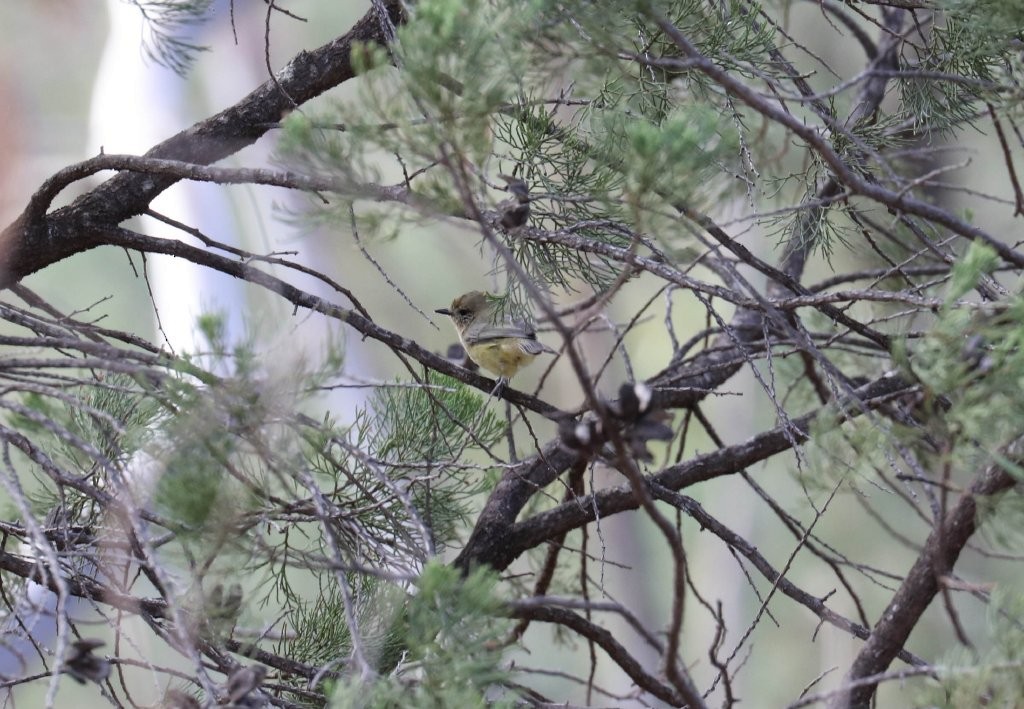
x=502, y=357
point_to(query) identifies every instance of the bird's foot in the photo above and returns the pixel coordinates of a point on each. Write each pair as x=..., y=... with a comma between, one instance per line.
x=499, y=387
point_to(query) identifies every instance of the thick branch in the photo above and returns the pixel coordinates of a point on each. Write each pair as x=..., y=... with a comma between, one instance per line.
x=83, y=587
x=497, y=542
x=36, y=240
x=919, y=588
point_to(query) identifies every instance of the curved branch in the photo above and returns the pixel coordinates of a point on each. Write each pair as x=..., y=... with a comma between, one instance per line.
x=182, y=170
x=739, y=544
x=36, y=239
x=921, y=585
x=300, y=298
x=614, y=649
x=899, y=201
x=498, y=541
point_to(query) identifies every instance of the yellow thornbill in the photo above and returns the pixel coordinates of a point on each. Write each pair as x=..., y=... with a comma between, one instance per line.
x=501, y=347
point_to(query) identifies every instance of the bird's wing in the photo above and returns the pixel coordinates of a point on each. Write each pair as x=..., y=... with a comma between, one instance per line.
x=503, y=332
x=534, y=347
x=528, y=341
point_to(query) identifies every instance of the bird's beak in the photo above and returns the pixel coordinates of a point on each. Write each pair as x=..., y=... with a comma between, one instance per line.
x=443, y=311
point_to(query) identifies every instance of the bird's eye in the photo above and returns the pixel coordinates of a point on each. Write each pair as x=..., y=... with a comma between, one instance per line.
x=464, y=312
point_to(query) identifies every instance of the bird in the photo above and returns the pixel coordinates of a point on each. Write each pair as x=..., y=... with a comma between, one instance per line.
x=500, y=346
x=82, y=665
x=240, y=690
x=515, y=210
